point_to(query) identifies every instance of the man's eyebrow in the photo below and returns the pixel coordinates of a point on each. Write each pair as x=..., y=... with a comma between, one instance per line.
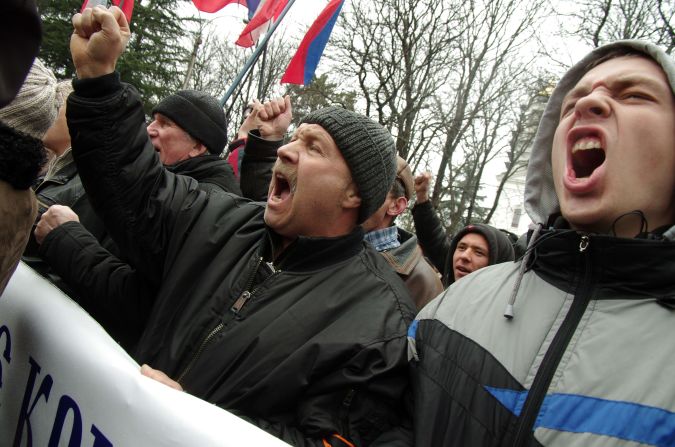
x=576, y=92
x=316, y=136
x=163, y=119
x=620, y=82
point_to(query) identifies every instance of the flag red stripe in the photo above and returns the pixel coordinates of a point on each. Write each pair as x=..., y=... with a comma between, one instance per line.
x=215, y=5
x=270, y=9
x=301, y=68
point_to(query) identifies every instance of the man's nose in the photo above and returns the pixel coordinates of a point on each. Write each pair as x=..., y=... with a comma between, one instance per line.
x=289, y=152
x=593, y=105
x=151, y=129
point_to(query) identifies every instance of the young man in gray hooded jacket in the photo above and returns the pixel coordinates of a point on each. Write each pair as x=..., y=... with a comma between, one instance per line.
x=573, y=345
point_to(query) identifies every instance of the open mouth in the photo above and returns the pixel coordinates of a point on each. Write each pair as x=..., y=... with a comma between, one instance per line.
x=587, y=155
x=282, y=187
x=462, y=270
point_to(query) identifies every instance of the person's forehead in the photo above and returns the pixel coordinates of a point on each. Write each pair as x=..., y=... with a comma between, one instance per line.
x=474, y=239
x=623, y=71
x=158, y=116
x=317, y=133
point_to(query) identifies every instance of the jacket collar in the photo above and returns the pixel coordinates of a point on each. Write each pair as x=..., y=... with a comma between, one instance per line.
x=60, y=172
x=207, y=168
x=313, y=253
x=405, y=257
x=632, y=267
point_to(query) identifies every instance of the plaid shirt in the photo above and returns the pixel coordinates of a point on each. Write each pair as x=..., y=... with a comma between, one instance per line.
x=384, y=239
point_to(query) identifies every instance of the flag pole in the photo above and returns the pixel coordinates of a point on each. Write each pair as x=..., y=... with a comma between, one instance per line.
x=261, y=81
x=256, y=54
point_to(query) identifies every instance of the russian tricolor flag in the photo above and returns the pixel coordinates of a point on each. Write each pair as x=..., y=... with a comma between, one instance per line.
x=301, y=68
x=217, y=5
x=267, y=11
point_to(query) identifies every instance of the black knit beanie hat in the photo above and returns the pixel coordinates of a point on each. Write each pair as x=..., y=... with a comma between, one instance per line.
x=199, y=114
x=368, y=149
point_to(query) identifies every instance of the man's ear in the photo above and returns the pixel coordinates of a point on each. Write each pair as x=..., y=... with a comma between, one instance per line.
x=351, y=199
x=197, y=150
x=397, y=206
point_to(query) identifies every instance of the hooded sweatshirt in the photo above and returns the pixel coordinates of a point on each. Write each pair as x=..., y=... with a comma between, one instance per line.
x=501, y=249
x=583, y=353
x=432, y=238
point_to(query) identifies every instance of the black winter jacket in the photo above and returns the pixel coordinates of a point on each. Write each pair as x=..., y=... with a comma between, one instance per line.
x=256, y=166
x=309, y=347
x=104, y=284
x=433, y=239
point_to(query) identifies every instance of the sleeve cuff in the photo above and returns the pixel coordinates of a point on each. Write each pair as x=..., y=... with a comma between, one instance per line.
x=236, y=144
x=97, y=87
x=424, y=207
x=256, y=146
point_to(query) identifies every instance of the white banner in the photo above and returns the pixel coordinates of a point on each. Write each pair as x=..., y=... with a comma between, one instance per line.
x=65, y=382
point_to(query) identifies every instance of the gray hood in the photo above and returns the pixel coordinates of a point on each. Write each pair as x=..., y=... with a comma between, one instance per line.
x=540, y=197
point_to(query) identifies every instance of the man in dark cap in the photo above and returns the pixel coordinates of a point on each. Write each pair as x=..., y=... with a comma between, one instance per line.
x=75, y=249
x=277, y=311
x=187, y=124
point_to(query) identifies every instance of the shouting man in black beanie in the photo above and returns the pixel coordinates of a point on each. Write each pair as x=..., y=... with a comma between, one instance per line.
x=277, y=311
x=187, y=124
x=73, y=246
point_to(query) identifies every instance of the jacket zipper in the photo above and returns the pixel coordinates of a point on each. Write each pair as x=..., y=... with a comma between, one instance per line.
x=236, y=307
x=551, y=360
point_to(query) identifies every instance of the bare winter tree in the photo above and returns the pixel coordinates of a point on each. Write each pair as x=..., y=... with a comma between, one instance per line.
x=527, y=112
x=441, y=75
x=397, y=53
x=489, y=72
x=602, y=21
x=321, y=92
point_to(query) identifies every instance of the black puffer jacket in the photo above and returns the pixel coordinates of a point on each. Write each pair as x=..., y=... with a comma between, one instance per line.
x=287, y=345
x=86, y=266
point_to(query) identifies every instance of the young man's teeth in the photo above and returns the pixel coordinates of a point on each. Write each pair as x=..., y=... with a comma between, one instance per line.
x=587, y=143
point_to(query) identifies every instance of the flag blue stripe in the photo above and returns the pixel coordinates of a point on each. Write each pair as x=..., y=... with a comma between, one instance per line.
x=315, y=49
x=584, y=414
x=252, y=5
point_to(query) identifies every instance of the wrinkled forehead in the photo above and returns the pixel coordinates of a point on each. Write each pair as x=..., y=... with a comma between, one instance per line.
x=622, y=72
x=315, y=133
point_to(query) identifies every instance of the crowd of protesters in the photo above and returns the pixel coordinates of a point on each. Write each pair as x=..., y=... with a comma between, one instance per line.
x=224, y=275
